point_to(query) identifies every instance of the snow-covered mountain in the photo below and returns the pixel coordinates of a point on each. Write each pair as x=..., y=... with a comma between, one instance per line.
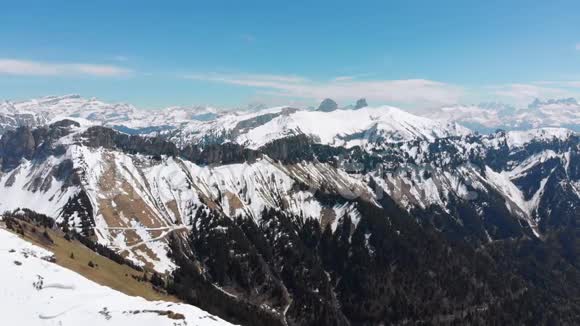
x=203, y=123
x=132, y=192
x=487, y=117
x=36, y=112
x=252, y=127
x=286, y=216
x=133, y=202
x=337, y=127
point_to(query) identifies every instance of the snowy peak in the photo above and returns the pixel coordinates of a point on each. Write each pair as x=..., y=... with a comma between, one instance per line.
x=348, y=128
x=520, y=138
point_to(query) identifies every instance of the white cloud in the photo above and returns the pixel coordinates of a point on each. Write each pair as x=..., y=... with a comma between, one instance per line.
x=350, y=77
x=37, y=68
x=409, y=91
x=577, y=46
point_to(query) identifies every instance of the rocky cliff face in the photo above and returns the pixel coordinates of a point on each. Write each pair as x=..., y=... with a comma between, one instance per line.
x=361, y=103
x=328, y=105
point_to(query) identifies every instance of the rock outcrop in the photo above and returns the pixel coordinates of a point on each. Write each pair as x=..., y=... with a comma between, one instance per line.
x=328, y=105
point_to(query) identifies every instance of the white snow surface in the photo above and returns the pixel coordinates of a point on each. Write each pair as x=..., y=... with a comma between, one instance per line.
x=67, y=298
x=520, y=138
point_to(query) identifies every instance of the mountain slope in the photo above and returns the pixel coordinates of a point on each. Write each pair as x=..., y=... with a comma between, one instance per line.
x=133, y=201
x=39, y=292
x=132, y=192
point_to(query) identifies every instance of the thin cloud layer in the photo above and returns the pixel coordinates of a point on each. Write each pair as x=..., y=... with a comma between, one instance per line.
x=18, y=67
x=409, y=91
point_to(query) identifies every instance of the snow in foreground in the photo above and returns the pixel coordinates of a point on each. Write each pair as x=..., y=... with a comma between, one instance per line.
x=36, y=292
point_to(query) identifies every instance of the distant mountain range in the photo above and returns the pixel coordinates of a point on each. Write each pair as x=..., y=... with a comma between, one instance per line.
x=484, y=118
x=488, y=117
x=41, y=111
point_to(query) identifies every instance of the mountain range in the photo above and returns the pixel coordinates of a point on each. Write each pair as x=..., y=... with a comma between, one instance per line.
x=484, y=117
x=487, y=117
x=328, y=216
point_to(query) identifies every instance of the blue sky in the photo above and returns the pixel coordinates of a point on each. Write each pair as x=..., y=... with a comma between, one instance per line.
x=415, y=54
